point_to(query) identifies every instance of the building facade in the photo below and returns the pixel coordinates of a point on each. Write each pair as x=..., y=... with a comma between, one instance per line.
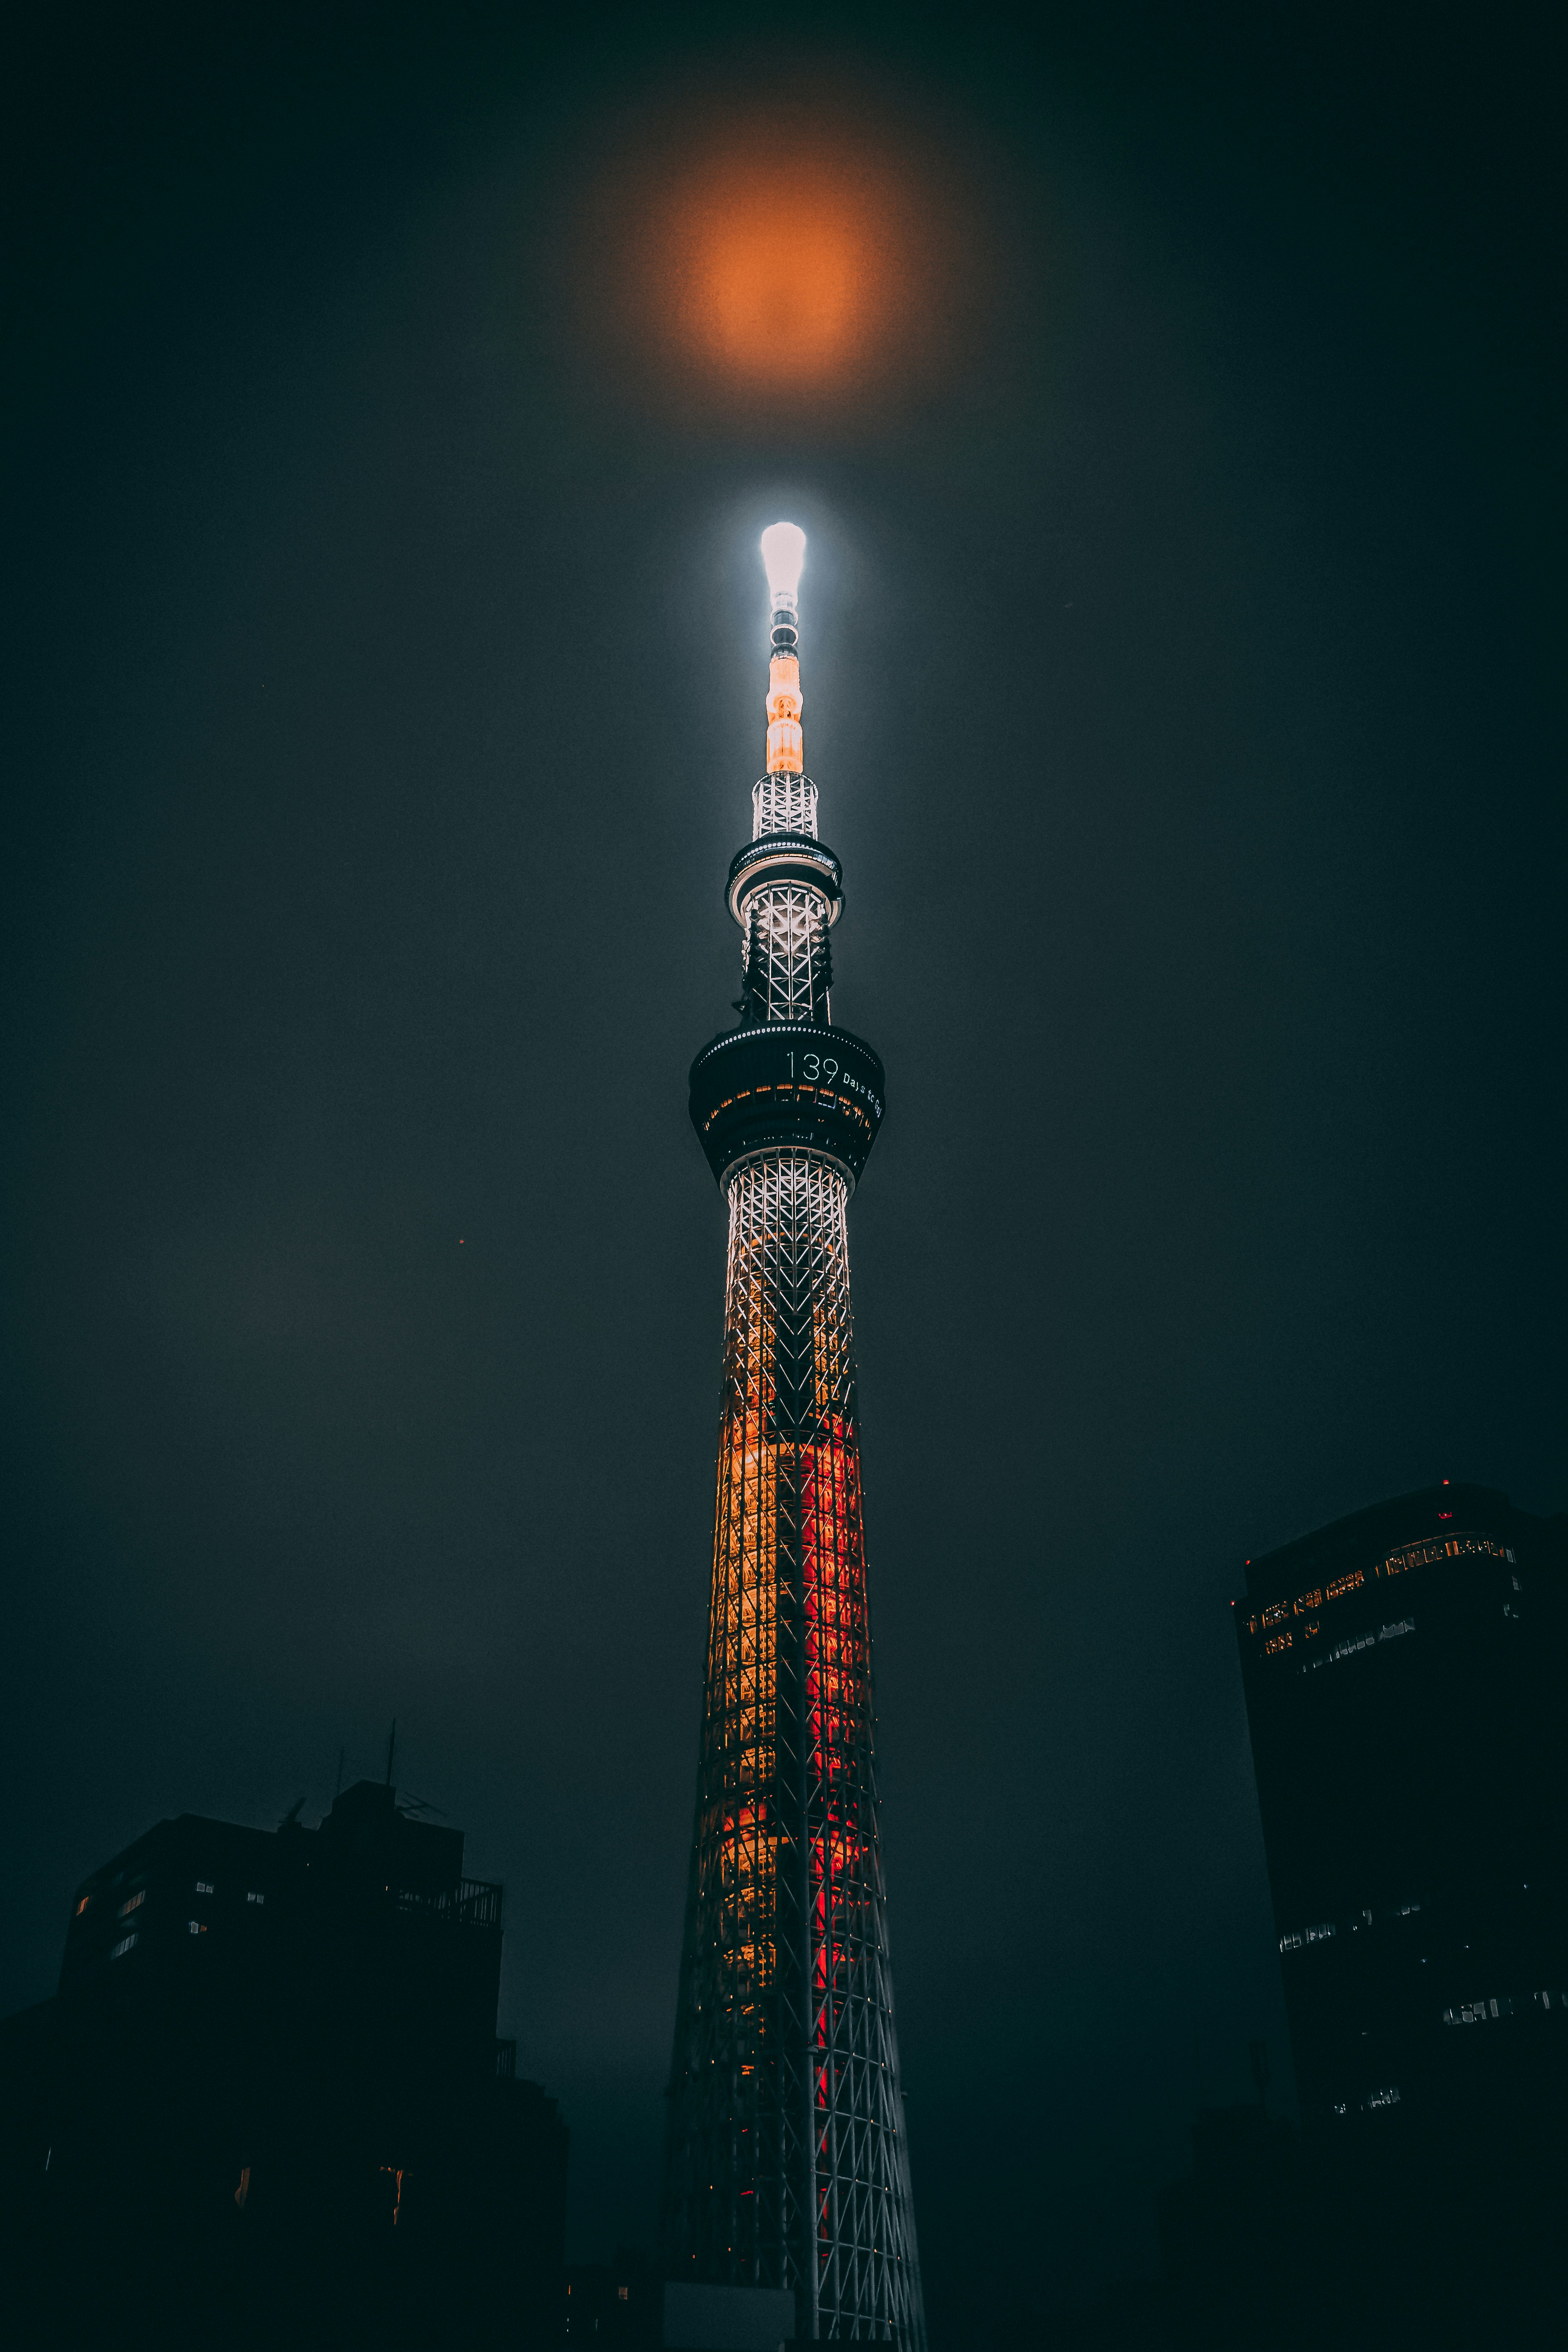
x=1402, y=1671
x=786, y=2161
x=268, y=2099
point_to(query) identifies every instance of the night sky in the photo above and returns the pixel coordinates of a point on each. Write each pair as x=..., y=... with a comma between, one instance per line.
x=391, y=405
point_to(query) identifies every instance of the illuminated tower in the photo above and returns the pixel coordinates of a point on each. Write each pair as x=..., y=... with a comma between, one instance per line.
x=786, y=2163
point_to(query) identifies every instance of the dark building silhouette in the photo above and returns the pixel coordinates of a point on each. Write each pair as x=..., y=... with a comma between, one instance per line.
x=268, y=2099
x=1402, y=1671
x=1233, y=2235
x=615, y=2307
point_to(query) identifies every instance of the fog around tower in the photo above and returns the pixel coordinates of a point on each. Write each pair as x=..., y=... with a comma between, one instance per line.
x=392, y=417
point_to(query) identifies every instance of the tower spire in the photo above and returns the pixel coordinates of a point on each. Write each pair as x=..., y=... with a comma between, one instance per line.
x=784, y=552
x=787, y=2164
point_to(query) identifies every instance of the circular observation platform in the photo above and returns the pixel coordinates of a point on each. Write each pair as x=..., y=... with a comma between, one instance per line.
x=778, y=857
x=787, y=1086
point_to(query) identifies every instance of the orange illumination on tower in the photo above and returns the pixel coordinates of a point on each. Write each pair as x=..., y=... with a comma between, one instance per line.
x=786, y=744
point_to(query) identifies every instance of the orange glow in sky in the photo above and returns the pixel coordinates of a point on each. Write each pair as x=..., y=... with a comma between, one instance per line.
x=730, y=265
x=770, y=277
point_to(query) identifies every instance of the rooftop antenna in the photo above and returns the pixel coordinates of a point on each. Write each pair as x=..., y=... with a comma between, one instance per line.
x=391, y=1749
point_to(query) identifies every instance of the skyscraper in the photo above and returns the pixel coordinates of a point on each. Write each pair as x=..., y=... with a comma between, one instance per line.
x=786, y=2162
x=1402, y=1671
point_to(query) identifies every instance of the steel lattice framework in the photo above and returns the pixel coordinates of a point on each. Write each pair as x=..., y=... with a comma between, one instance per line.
x=786, y=2161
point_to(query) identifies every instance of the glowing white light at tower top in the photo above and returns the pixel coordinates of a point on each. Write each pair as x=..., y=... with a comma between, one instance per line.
x=784, y=552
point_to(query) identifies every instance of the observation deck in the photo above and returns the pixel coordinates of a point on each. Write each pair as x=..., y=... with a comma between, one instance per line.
x=777, y=859
x=783, y=1086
